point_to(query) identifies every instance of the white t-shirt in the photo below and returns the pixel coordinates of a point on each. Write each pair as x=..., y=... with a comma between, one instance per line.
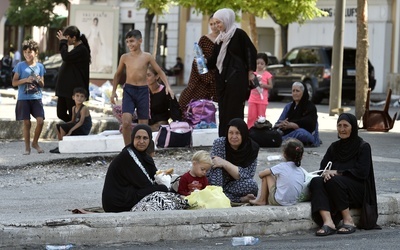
x=289, y=182
x=16, y=58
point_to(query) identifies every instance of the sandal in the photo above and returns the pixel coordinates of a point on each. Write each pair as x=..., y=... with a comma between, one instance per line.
x=327, y=231
x=349, y=229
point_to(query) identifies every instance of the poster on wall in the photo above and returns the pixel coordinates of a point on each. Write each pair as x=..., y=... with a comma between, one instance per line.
x=100, y=26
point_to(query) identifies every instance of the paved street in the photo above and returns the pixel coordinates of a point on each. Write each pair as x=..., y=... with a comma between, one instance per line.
x=43, y=187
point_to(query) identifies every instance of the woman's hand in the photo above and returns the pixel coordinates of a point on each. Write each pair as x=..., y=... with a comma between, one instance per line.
x=60, y=35
x=328, y=174
x=218, y=162
x=232, y=170
x=285, y=124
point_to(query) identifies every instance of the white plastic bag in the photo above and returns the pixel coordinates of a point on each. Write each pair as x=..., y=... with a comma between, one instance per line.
x=163, y=179
x=305, y=194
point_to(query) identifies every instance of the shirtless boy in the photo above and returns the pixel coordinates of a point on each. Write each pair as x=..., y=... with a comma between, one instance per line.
x=136, y=92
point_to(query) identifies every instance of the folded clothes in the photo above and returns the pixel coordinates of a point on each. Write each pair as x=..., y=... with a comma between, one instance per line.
x=205, y=125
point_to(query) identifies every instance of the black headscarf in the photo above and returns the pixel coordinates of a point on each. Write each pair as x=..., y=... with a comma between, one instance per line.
x=247, y=151
x=345, y=149
x=144, y=158
x=296, y=112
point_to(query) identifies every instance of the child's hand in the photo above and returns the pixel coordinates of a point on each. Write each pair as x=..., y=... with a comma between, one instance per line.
x=113, y=97
x=169, y=91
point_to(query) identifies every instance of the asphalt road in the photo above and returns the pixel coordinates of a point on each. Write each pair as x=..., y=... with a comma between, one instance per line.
x=386, y=239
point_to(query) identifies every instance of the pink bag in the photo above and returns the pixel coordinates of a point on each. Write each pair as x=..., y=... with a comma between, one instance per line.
x=175, y=134
x=200, y=110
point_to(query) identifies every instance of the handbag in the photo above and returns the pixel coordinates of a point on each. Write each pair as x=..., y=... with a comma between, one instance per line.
x=305, y=194
x=209, y=197
x=200, y=110
x=175, y=134
x=265, y=137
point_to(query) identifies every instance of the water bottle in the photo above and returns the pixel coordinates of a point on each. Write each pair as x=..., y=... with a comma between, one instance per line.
x=244, y=241
x=59, y=247
x=198, y=55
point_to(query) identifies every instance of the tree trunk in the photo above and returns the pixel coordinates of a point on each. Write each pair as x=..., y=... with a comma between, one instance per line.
x=147, y=30
x=155, y=42
x=361, y=57
x=284, y=38
x=253, y=30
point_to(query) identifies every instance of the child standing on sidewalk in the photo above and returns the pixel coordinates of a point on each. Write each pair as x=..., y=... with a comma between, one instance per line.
x=81, y=122
x=136, y=92
x=258, y=100
x=28, y=77
x=196, y=178
x=282, y=184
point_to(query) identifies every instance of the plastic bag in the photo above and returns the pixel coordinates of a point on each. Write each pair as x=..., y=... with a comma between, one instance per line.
x=305, y=194
x=163, y=179
x=209, y=197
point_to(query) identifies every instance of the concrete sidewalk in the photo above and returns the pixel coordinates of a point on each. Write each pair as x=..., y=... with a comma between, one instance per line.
x=38, y=214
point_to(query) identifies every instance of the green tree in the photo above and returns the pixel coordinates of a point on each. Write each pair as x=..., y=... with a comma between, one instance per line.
x=154, y=8
x=283, y=12
x=33, y=12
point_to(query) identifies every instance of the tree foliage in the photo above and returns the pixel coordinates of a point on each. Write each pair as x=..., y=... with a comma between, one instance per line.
x=33, y=12
x=154, y=8
x=283, y=12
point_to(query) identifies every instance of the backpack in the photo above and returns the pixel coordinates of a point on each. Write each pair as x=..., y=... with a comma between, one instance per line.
x=175, y=134
x=200, y=110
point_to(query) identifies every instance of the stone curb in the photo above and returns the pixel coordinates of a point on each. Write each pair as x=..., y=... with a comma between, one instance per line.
x=177, y=225
x=11, y=129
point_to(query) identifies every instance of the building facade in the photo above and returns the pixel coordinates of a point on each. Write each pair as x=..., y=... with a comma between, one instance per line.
x=179, y=28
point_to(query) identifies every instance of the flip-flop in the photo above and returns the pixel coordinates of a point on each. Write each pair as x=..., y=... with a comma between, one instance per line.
x=349, y=229
x=327, y=231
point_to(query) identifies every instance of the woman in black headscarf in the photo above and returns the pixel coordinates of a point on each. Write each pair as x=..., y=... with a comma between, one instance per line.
x=235, y=162
x=299, y=118
x=349, y=184
x=130, y=176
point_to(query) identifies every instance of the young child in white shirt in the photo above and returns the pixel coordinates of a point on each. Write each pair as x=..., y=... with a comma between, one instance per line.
x=282, y=184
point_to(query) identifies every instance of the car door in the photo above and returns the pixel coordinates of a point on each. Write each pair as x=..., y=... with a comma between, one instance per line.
x=282, y=74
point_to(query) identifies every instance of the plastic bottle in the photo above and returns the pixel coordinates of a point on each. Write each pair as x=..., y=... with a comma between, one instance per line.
x=58, y=247
x=201, y=64
x=244, y=241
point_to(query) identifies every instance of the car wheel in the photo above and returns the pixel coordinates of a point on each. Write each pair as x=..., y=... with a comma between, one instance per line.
x=314, y=97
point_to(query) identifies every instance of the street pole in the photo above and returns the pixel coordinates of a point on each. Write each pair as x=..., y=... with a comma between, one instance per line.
x=335, y=95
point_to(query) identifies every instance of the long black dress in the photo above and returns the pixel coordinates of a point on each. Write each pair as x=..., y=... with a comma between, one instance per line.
x=233, y=81
x=126, y=184
x=354, y=188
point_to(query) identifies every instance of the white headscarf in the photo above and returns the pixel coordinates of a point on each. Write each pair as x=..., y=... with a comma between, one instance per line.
x=227, y=17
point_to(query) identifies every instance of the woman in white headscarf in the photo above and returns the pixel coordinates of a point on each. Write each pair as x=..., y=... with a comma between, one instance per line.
x=234, y=56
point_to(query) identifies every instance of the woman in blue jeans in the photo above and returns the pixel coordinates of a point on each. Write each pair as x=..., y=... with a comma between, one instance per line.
x=299, y=118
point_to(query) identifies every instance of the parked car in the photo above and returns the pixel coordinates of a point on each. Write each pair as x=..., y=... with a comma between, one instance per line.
x=271, y=58
x=312, y=66
x=52, y=65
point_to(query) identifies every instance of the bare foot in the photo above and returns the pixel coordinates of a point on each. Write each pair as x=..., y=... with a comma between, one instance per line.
x=257, y=202
x=27, y=152
x=38, y=148
x=245, y=199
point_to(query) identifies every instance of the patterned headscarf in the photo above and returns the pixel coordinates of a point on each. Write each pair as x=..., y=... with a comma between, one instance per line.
x=227, y=17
